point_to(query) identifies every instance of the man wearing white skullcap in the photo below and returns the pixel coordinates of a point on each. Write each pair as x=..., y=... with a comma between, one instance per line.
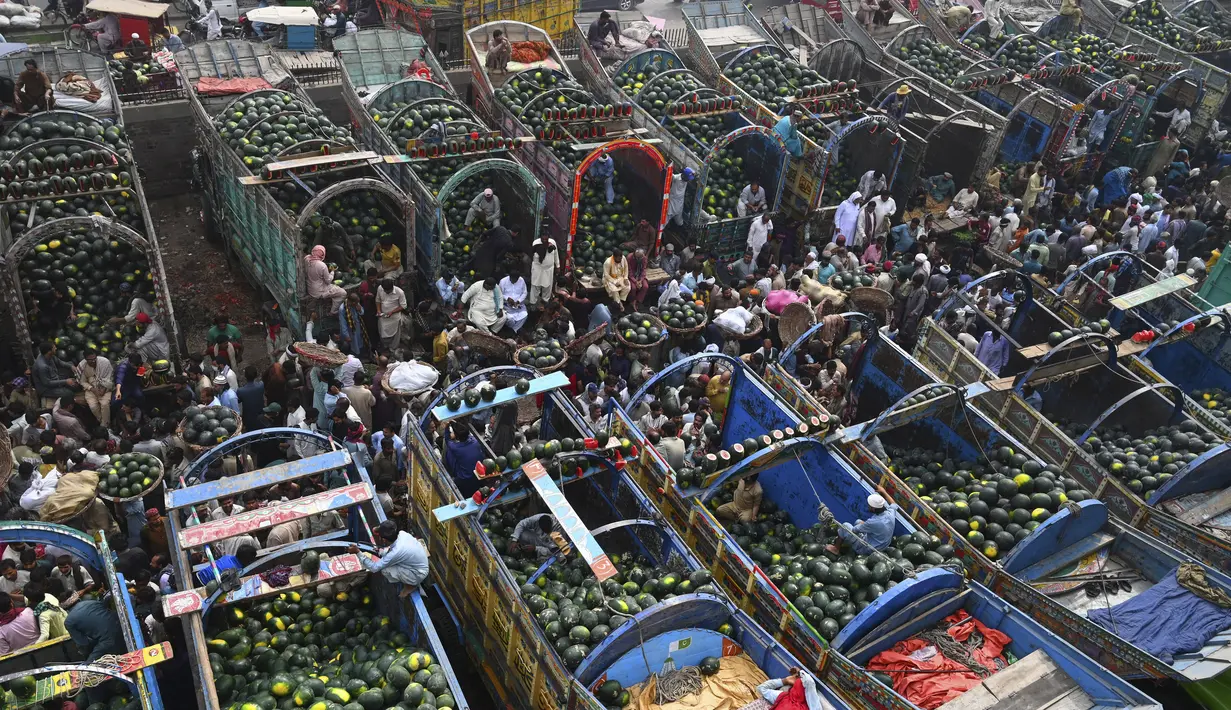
x=485, y=205
x=875, y=533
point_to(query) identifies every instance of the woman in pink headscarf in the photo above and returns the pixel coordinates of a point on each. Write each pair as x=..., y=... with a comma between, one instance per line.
x=320, y=279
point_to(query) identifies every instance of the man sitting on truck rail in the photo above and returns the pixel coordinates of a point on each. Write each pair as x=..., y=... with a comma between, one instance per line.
x=405, y=562
x=867, y=536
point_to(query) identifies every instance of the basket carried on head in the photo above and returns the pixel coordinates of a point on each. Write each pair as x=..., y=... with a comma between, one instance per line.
x=550, y=368
x=578, y=346
x=144, y=491
x=754, y=328
x=319, y=354
x=698, y=310
x=1001, y=259
x=795, y=320
x=489, y=345
x=870, y=298
x=405, y=394
x=198, y=449
x=655, y=322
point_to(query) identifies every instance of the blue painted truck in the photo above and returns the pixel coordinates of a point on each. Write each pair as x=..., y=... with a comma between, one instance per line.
x=1071, y=541
x=518, y=660
x=833, y=482
x=62, y=654
x=409, y=614
x=1087, y=383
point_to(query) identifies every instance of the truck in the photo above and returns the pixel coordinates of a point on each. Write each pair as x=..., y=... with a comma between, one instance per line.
x=1097, y=389
x=228, y=625
x=1044, y=573
x=691, y=118
x=393, y=113
x=270, y=196
x=803, y=479
x=80, y=185
x=58, y=663
x=582, y=653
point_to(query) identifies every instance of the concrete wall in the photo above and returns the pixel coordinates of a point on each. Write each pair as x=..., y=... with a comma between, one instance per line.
x=164, y=135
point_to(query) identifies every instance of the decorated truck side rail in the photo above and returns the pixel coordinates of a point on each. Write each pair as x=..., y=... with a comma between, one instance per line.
x=324, y=588
x=1096, y=386
x=58, y=661
x=282, y=176
x=765, y=560
x=529, y=659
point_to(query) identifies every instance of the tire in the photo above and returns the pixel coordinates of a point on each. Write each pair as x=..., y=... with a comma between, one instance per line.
x=185, y=6
x=189, y=38
x=627, y=4
x=79, y=37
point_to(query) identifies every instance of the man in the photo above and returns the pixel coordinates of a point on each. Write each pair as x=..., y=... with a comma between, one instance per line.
x=797, y=691
x=226, y=396
x=599, y=30
x=536, y=532
x=884, y=207
x=1181, y=119
x=544, y=260
x=95, y=628
x=671, y=446
x=33, y=89
x=897, y=104
x=251, y=398
x=405, y=562
x=669, y=261
x=966, y=201
x=390, y=303
x=789, y=133
x=448, y=286
x=213, y=23
x=153, y=344
x=873, y=534
x=616, y=280
x=675, y=202
x=589, y=397
x=485, y=305
x=18, y=627
x=74, y=577
x=171, y=41
x=129, y=560
x=758, y=234
x=993, y=350
x=940, y=188
x=752, y=199
x=224, y=339
x=957, y=17
x=488, y=257
x=108, y=29
x=602, y=172
x=66, y=422
x=45, y=372
x=1116, y=183
x=362, y=401
x=1002, y=236
x=97, y=376
x=485, y=205
x=513, y=292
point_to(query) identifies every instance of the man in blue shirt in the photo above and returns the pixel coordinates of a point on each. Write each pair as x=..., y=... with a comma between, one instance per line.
x=875, y=533
x=786, y=130
x=226, y=395
x=405, y=562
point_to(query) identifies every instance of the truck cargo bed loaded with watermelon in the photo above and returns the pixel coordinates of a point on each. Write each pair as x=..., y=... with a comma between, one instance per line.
x=75, y=225
x=327, y=634
x=567, y=619
x=267, y=220
x=442, y=173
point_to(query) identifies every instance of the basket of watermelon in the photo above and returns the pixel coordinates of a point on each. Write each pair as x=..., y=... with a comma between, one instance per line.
x=129, y=477
x=641, y=330
x=203, y=428
x=683, y=317
x=545, y=355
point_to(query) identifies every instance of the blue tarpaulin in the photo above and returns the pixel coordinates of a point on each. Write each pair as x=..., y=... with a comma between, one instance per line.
x=1164, y=620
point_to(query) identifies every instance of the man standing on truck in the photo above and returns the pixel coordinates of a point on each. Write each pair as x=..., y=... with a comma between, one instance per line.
x=405, y=562
x=675, y=203
x=487, y=205
x=602, y=172
x=600, y=30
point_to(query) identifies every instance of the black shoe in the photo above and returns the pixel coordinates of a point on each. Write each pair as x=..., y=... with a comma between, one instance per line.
x=1092, y=590
x=1112, y=588
x=1126, y=585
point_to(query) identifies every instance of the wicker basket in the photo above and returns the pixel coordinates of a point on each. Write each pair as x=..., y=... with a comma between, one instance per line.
x=755, y=326
x=578, y=346
x=688, y=331
x=1001, y=259
x=197, y=448
x=656, y=322
x=488, y=344
x=870, y=298
x=553, y=368
x=796, y=319
x=6, y=461
x=139, y=496
x=389, y=390
x=319, y=354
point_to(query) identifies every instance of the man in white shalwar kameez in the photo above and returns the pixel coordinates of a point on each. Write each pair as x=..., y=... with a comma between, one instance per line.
x=846, y=218
x=485, y=305
x=513, y=291
x=872, y=183
x=390, y=304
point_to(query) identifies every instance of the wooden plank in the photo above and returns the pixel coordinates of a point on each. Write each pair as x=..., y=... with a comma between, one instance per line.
x=1158, y=289
x=977, y=698
x=286, y=512
x=254, y=587
x=1065, y=557
x=330, y=159
x=538, y=385
x=1035, y=678
x=260, y=478
x=1214, y=506
x=569, y=521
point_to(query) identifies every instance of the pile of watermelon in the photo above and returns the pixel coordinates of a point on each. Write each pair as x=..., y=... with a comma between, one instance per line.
x=829, y=590
x=543, y=353
x=682, y=314
x=719, y=459
x=640, y=328
x=575, y=611
x=323, y=649
x=208, y=426
x=129, y=475
x=1148, y=461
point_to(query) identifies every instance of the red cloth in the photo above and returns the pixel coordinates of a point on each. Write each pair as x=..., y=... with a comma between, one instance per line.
x=210, y=86
x=792, y=699
x=931, y=690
